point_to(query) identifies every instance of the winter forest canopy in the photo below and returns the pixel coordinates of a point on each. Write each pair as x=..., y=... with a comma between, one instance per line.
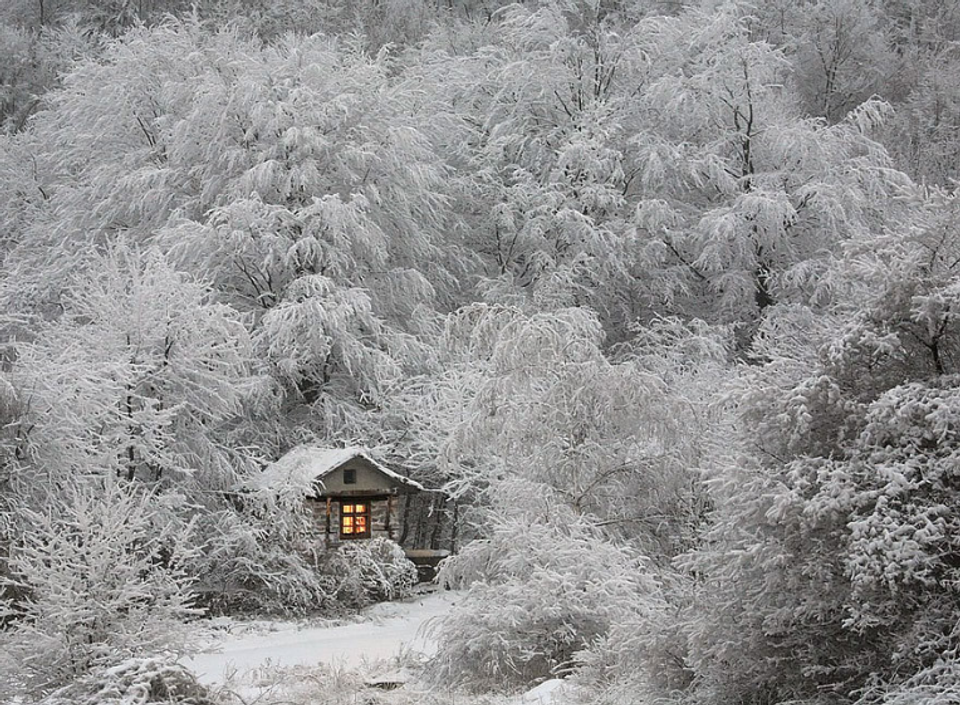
x=661, y=293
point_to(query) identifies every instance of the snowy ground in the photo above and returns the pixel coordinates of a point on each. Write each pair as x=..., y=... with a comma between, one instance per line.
x=389, y=631
x=256, y=660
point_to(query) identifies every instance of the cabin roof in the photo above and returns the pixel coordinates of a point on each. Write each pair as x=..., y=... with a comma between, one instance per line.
x=305, y=464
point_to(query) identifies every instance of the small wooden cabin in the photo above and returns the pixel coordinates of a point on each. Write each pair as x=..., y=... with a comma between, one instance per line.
x=351, y=495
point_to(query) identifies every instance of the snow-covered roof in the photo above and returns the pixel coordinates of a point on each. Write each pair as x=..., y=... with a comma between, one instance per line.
x=304, y=465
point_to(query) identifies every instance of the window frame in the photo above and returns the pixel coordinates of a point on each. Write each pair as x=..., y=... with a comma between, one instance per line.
x=366, y=515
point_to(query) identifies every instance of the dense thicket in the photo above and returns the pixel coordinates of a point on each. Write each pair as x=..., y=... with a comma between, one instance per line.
x=663, y=294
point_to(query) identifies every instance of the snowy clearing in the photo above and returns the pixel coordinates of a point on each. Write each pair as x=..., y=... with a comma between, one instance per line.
x=389, y=630
x=255, y=660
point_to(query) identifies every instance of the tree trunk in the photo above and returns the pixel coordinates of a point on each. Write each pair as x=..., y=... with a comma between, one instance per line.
x=455, y=527
x=405, y=521
x=439, y=512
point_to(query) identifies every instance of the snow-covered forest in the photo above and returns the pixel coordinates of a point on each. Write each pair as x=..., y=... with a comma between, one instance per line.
x=663, y=294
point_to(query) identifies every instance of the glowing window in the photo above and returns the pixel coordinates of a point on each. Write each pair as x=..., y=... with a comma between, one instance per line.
x=355, y=520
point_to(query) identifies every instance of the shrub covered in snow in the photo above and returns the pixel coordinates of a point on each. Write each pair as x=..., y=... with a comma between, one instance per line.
x=544, y=586
x=365, y=572
x=138, y=681
x=263, y=558
x=256, y=560
x=832, y=569
x=642, y=657
x=939, y=684
x=103, y=582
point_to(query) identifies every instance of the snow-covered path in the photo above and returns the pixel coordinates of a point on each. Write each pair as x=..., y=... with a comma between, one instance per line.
x=392, y=628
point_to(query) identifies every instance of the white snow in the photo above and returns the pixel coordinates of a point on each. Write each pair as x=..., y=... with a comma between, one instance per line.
x=389, y=630
x=306, y=464
x=549, y=692
x=247, y=653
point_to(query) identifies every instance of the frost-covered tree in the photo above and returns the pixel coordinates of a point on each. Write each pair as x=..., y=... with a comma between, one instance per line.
x=741, y=198
x=541, y=587
x=649, y=164
x=298, y=178
x=538, y=114
x=579, y=469
x=924, y=137
x=534, y=396
x=136, y=378
x=831, y=569
x=111, y=16
x=98, y=580
x=843, y=51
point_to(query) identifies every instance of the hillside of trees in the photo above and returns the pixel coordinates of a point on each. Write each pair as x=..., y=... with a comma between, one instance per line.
x=664, y=294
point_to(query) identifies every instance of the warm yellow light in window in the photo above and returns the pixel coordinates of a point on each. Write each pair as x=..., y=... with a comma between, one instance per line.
x=355, y=519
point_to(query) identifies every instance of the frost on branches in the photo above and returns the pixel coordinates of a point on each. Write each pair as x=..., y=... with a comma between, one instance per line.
x=95, y=579
x=834, y=564
x=542, y=588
